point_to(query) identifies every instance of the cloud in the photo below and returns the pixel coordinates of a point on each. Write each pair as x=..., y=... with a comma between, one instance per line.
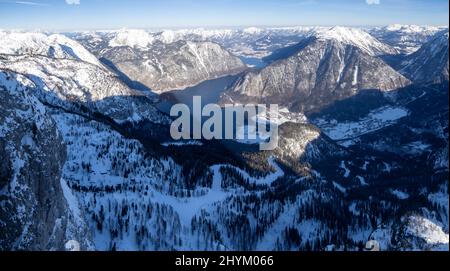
x=29, y=3
x=373, y=2
x=26, y=3
x=72, y=2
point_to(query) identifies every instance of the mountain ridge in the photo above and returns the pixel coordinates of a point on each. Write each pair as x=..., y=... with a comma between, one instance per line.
x=326, y=66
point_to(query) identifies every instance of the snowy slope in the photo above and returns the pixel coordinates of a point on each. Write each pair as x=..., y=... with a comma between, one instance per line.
x=430, y=63
x=356, y=37
x=259, y=42
x=56, y=46
x=132, y=38
x=252, y=42
x=164, y=67
x=328, y=66
x=140, y=203
x=32, y=155
x=347, y=133
x=64, y=82
x=420, y=231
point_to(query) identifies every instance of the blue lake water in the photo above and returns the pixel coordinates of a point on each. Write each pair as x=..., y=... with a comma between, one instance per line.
x=210, y=91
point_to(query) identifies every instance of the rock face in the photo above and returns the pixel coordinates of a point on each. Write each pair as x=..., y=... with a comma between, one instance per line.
x=165, y=67
x=321, y=71
x=68, y=83
x=430, y=63
x=34, y=213
x=39, y=211
x=161, y=62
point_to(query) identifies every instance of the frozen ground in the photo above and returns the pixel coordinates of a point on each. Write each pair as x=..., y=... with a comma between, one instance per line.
x=346, y=132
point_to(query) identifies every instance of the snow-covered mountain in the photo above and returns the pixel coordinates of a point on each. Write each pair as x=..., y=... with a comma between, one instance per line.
x=178, y=65
x=358, y=38
x=159, y=62
x=55, y=46
x=69, y=83
x=318, y=71
x=132, y=38
x=430, y=62
x=102, y=178
x=258, y=42
x=247, y=42
x=406, y=38
x=251, y=42
x=421, y=230
x=34, y=213
x=87, y=160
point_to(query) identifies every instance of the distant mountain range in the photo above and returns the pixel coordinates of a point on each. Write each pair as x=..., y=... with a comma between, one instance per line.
x=406, y=38
x=430, y=63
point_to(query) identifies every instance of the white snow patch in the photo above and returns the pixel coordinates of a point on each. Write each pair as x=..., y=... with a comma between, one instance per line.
x=72, y=202
x=375, y=120
x=424, y=228
x=355, y=37
x=339, y=187
x=362, y=180
x=400, y=194
x=132, y=38
x=346, y=170
x=355, y=76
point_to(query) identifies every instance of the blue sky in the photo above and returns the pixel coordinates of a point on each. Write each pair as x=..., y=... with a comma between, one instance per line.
x=109, y=14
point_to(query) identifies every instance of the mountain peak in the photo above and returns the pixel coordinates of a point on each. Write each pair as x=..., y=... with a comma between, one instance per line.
x=355, y=37
x=411, y=28
x=341, y=33
x=54, y=46
x=132, y=38
x=252, y=30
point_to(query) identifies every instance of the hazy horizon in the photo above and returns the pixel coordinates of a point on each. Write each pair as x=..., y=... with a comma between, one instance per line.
x=159, y=29
x=79, y=15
